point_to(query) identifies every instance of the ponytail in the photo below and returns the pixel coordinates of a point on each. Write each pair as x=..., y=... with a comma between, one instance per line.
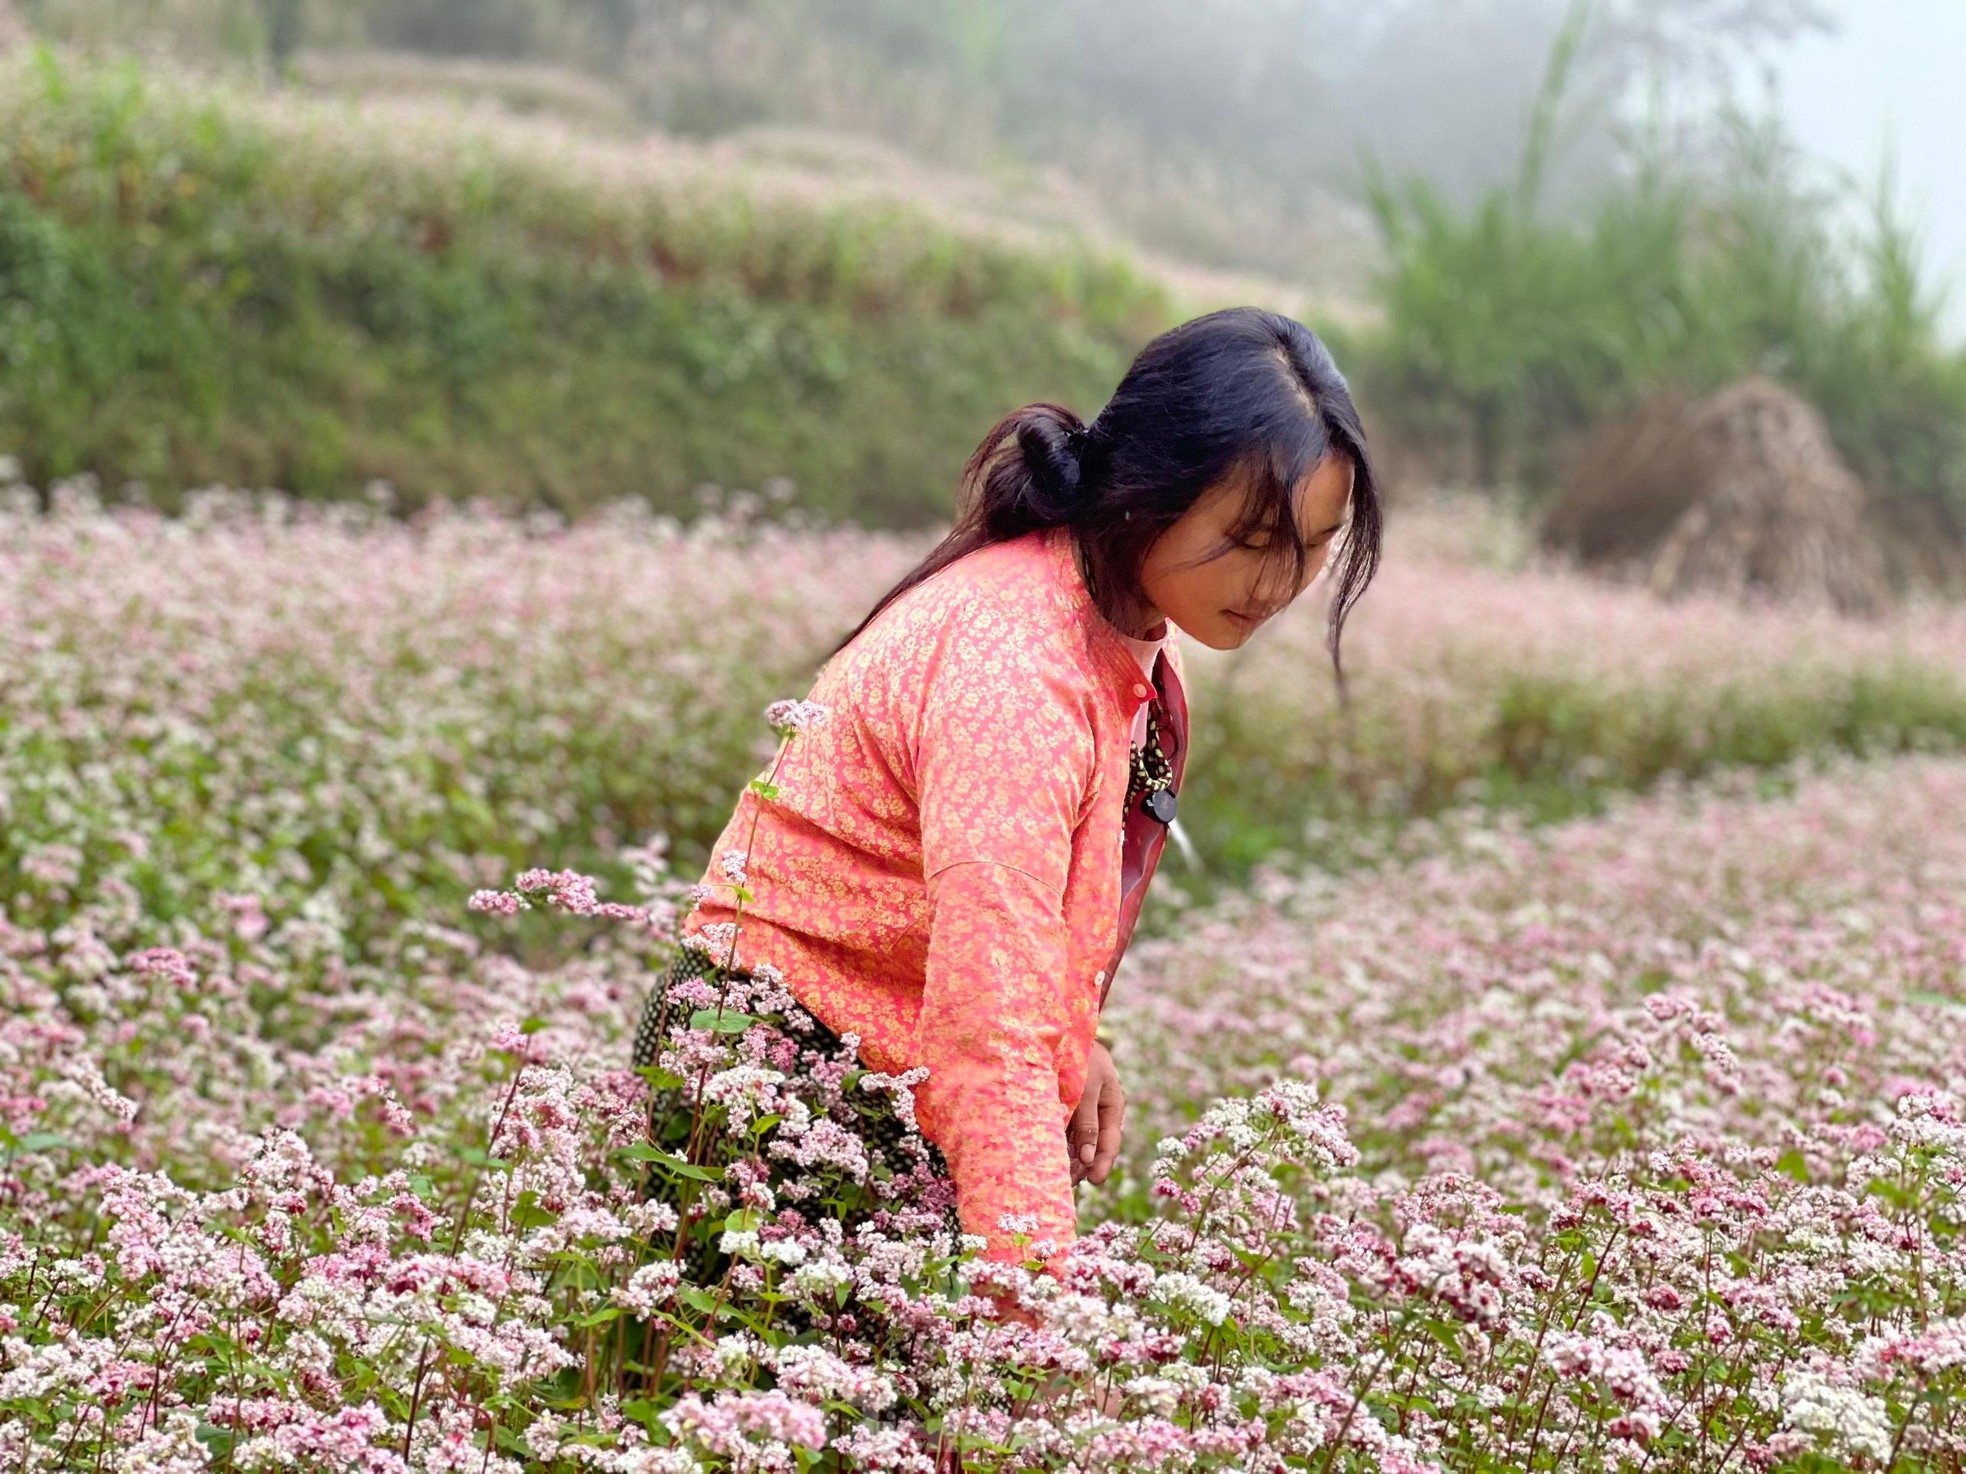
x=1040, y=483
x=1030, y=472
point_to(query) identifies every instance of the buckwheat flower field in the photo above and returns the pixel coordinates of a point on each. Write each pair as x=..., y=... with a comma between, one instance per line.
x=337, y=854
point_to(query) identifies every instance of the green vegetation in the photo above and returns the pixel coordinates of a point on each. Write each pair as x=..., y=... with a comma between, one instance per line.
x=1509, y=328
x=1548, y=745
x=211, y=286
x=230, y=286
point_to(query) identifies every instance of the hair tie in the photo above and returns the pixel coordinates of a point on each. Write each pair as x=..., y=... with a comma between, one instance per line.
x=1076, y=442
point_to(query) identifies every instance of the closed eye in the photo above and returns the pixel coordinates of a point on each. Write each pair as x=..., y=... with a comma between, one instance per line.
x=1255, y=547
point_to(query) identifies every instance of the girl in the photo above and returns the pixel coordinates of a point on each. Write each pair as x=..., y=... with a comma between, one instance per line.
x=948, y=868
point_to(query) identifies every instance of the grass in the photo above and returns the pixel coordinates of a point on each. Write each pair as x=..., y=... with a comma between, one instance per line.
x=215, y=286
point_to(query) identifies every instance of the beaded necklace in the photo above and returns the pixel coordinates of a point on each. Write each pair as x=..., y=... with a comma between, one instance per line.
x=1150, y=778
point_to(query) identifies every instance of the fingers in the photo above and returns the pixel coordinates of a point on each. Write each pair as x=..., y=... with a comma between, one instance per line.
x=1112, y=1116
x=1082, y=1135
x=1093, y=1136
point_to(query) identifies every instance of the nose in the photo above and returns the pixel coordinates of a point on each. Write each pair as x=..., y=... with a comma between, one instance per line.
x=1274, y=591
x=1274, y=587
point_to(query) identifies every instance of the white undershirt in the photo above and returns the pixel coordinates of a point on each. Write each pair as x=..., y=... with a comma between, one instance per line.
x=1144, y=651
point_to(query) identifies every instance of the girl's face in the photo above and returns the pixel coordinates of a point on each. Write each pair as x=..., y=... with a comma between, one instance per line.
x=1218, y=589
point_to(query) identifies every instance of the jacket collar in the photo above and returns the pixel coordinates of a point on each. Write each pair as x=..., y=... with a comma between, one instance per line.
x=1107, y=644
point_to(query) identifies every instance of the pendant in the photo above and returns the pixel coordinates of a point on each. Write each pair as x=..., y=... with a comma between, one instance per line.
x=1160, y=803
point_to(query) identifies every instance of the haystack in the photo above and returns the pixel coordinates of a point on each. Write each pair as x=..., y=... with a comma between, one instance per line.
x=1740, y=493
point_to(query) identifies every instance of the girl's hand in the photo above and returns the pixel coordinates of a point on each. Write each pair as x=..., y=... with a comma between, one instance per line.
x=1093, y=1138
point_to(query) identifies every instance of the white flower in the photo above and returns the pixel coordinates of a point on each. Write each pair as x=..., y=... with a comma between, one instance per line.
x=1853, y=1420
x=648, y=1287
x=741, y=1090
x=1181, y=1291
x=739, y=1243
x=821, y=1280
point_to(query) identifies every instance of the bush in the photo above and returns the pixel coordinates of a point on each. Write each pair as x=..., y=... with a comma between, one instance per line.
x=1508, y=331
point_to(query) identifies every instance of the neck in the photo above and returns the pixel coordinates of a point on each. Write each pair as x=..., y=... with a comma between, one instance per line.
x=1148, y=624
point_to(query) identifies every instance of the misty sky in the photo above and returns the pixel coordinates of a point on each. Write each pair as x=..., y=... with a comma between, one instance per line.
x=1898, y=65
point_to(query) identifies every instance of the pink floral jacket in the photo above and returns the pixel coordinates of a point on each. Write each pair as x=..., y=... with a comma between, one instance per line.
x=947, y=870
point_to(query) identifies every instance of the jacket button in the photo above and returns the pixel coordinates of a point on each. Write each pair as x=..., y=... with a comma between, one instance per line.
x=1140, y=690
x=1100, y=977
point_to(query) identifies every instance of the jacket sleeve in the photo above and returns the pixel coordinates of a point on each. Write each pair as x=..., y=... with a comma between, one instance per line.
x=1004, y=761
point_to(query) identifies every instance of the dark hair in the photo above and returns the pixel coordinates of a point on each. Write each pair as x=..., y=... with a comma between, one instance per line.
x=1237, y=391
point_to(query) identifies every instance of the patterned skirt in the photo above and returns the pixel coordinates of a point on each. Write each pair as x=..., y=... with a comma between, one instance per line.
x=751, y=1086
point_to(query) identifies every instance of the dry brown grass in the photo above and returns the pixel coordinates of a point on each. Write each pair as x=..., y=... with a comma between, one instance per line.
x=1740, y=493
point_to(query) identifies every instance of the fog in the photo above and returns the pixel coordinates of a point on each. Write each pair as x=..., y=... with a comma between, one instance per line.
x=1891, y=74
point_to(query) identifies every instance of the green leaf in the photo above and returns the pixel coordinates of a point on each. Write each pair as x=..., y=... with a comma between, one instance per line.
x=47, y=1141
x=526, y=1212
x=742, y=1220
x=721, y=1021
x=217, y=1439
x=1941, y=1000
x=643, y=1411
x=642, y=1152
x=511, y=1439
x=769, y=790
x=473, y=808
x=696, y=1298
